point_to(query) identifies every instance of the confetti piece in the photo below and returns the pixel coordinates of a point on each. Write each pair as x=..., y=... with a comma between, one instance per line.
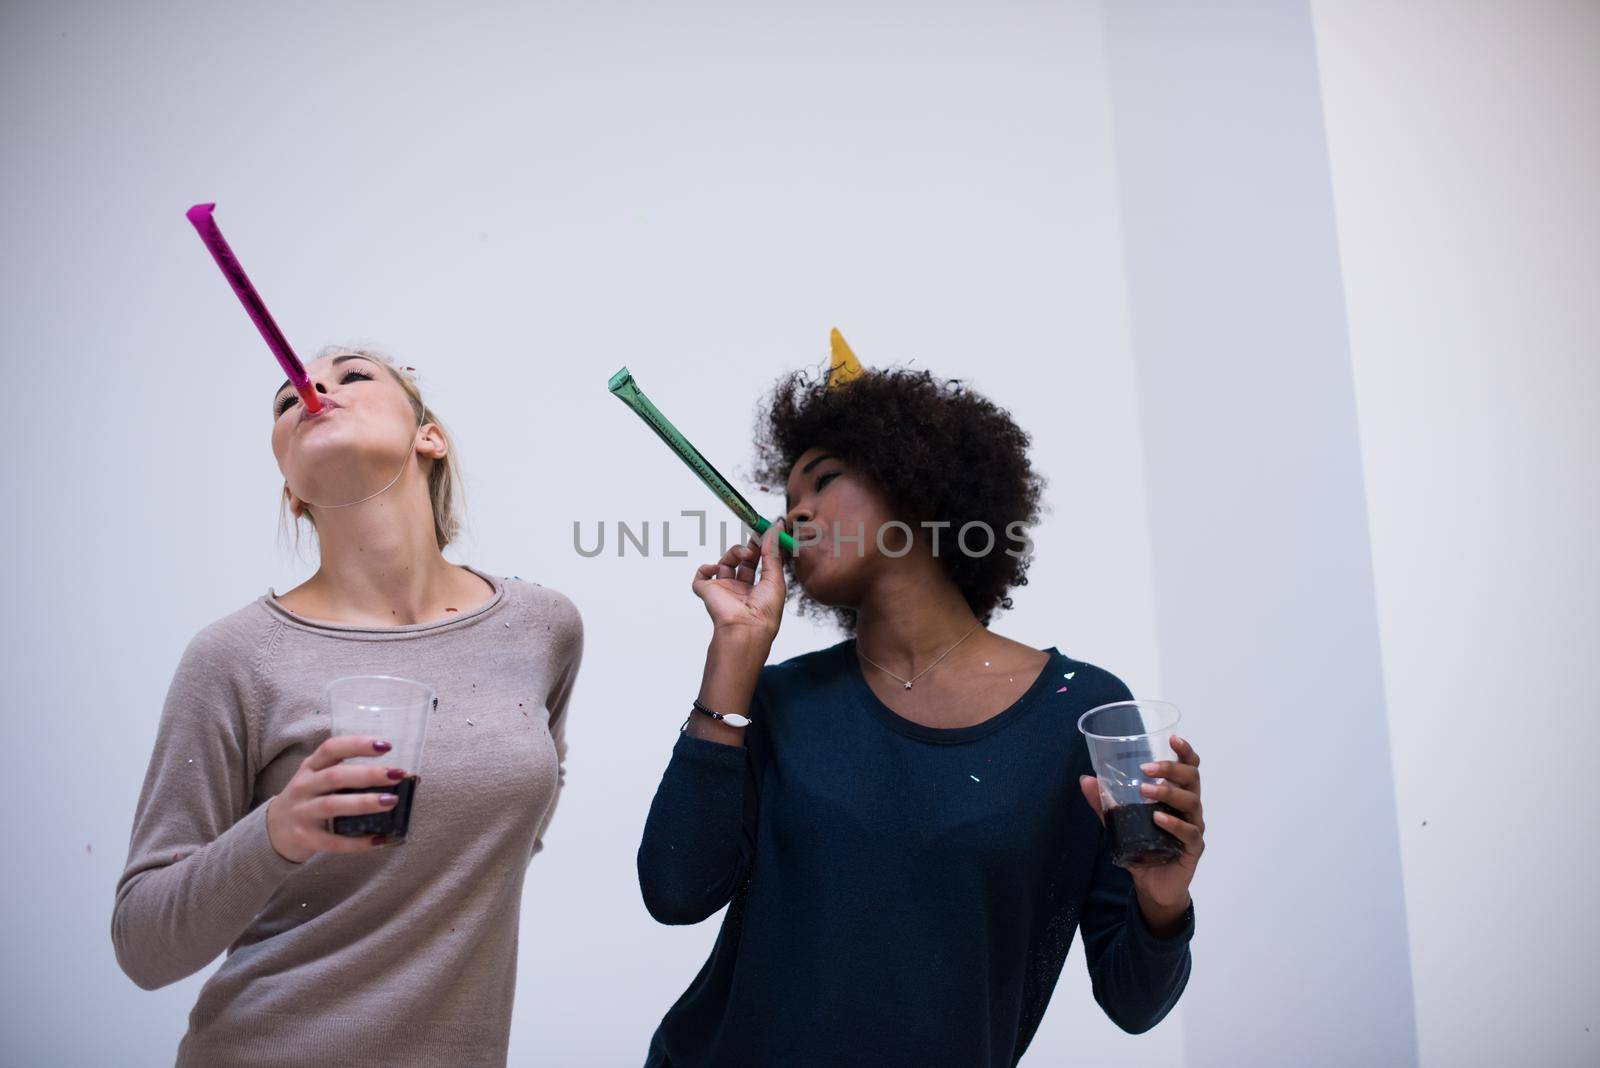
x=1062, y=690
x=973, y=777
x=1069, y=674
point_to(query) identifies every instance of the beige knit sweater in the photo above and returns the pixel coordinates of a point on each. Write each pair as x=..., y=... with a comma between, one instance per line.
x=405, y=955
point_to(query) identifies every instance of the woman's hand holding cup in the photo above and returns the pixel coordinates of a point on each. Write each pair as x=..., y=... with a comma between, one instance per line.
x=297, y=818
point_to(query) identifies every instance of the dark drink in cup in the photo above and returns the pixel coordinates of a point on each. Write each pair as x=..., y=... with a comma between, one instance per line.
x=394, y=710
x=1136, y=840
x=392, y=822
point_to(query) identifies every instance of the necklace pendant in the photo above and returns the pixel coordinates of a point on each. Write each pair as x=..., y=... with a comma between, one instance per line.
x=908, y=686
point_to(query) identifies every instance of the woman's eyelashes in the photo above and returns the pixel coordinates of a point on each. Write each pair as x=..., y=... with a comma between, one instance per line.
x=823, y=480
x=291, y=397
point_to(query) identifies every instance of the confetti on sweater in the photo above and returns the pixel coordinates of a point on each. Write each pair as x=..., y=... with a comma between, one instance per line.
x=1062, y=690
x=973, y=777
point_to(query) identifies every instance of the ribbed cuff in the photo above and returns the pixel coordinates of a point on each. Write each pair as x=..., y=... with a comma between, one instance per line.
x=704, y=751
x=253, y=864
x=1171, y=946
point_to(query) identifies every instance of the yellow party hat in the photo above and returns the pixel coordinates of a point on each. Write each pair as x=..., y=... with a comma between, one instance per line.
x=843, y=366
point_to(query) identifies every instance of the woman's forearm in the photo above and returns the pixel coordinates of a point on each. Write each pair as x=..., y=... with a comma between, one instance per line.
x=734, y=661
x=182, y=901
x=696, y=837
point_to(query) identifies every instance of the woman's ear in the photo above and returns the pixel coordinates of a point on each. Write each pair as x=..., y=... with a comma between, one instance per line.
x=431, y=443
x=297, y=507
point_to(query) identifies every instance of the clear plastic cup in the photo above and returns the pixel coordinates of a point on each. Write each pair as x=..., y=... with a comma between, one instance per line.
x=394, y=710
x=1122, y=736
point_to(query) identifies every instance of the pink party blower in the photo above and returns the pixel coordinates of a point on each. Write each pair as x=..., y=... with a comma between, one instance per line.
x=206, y=226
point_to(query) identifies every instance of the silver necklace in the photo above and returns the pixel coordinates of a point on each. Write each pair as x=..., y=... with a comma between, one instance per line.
x=921, y=673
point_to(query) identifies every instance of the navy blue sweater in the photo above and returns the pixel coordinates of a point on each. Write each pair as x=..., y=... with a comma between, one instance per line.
x=898, y=894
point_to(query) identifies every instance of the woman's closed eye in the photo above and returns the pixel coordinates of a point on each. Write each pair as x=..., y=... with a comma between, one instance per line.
x=823, y=480
x=292, y=397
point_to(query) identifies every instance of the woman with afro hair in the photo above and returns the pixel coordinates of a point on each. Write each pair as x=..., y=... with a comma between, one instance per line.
x=904, y=826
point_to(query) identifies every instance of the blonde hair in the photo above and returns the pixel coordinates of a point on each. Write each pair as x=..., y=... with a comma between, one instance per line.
x=444, y=480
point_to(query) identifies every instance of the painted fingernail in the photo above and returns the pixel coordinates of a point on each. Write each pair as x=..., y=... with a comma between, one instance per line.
x=1147, y=788
x=1150, y=769
x=382, y=747
x=388, y=799
x=395, y=774
x=379, y=839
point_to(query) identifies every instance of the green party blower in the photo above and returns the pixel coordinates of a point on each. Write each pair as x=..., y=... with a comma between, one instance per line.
x=625, y=389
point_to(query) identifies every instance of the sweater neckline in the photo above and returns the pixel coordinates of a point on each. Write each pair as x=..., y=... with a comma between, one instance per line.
x=270, y=601
x=895, y=721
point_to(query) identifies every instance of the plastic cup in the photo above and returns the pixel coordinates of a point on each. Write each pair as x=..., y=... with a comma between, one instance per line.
x=1121, y=736
x=394, y=710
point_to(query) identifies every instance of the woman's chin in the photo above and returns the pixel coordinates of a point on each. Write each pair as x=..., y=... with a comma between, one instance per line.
x=819, y=587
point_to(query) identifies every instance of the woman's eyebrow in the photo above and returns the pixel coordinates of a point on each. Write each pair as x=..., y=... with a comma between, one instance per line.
x=788, y=501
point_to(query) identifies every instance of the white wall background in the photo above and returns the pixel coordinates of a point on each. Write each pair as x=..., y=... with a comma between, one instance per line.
x=518, y=199
x=1261, y=556
x=1465, y=142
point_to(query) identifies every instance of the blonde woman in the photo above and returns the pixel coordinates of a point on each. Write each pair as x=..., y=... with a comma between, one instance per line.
x=344, y=950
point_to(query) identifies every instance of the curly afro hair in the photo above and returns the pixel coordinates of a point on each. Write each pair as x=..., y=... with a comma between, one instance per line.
x=938, y=450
